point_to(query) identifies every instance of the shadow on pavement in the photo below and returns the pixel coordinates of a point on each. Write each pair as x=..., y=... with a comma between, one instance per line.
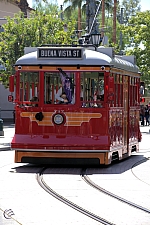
x=116, y=168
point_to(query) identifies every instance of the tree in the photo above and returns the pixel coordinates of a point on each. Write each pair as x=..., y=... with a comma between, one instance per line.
x=73, y=4
x=47, y=8
x=36, y=2
x=23, y=5
x=114, y=21
x=131, y=7
x=125, y=11
x=137, y=31
x=103, y=17
x=106, y=5
x=111, y=24
x=20, y=32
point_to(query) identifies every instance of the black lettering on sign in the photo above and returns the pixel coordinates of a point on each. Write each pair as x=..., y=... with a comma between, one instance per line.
x=60, y=53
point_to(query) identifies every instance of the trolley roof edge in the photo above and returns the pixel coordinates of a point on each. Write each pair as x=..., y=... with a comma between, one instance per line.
x=101, y=57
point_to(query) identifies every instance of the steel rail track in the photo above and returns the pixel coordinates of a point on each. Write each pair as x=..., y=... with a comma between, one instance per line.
x=137, y=163
x=92, y=184
x=5, y=165
x=42, y=183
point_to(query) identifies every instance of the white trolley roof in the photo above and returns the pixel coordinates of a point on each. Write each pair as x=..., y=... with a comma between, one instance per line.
x=76, y=56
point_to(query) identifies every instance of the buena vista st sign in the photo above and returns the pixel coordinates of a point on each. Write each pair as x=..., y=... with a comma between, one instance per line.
x=59, y=53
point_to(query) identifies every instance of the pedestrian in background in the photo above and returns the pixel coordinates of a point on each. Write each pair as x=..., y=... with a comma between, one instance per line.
x=149, y=105
x=147, y=115
x=142, y=115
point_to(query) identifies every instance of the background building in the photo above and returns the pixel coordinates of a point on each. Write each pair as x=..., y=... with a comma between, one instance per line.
x=9, y=8
x=6, y=108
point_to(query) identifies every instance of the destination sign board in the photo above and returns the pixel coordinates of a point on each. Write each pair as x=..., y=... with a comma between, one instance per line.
x=59, y=53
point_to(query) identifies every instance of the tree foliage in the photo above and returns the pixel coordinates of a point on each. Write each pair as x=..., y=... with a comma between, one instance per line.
x=72, y=5
x=130, y=8
x=46, y=27
x=137, y=33
x=125, y=10
x=46, y=7
x=20, y=32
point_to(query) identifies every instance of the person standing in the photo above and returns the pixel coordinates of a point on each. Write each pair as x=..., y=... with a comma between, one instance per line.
x=67, y=87
x=142, y=115
x=147, y=115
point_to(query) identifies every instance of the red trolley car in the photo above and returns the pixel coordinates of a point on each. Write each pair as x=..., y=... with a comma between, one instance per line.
x=75, y=104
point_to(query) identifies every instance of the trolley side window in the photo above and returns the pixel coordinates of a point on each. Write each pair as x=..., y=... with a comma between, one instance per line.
x=56, y=85
x=118, y=100
x=92, y=89
x=29, y=87
x=121, y=91
x=133, y=91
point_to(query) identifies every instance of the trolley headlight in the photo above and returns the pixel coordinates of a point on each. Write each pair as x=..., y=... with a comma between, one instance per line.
x=19, y=67
x=103, y=67
x=58, y=119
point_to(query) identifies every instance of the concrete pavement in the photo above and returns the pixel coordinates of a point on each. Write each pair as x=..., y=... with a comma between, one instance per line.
x=31, y=205
x=9, y=129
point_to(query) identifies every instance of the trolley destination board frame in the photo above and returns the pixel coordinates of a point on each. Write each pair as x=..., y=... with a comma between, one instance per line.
x=59, y=53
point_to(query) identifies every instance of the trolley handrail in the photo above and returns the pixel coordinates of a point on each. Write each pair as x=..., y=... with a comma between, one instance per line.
x=73, y=45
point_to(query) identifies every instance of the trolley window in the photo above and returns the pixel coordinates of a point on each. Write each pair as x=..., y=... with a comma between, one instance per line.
x=92, y=89
x=29, y=86
x=133, y=91
x=59, y=88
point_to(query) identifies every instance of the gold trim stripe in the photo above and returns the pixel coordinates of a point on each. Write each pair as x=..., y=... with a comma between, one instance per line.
x=45, y=122
x=76, y=119
x=66, y=68
x=72, y=119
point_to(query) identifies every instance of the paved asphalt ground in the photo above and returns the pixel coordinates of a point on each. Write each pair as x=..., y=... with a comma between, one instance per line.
x=5, y=140
x=24, y=202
